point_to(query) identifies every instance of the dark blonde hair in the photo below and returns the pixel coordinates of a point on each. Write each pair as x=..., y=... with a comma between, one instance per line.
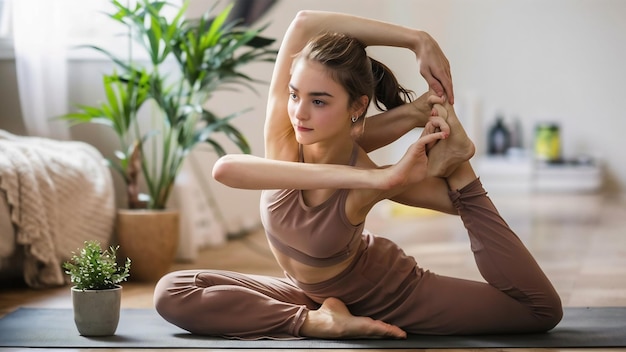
x=348, y=64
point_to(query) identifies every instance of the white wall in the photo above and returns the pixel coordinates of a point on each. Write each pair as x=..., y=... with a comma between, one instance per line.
x=560, y=60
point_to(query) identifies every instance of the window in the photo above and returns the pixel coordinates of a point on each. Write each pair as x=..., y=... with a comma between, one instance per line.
x=91, y=25
x=6, y=43
x=85, y=22
x=5, y=24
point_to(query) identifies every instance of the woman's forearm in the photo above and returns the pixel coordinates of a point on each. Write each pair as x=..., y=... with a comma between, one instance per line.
x=384, y=128
x=434, y=65
x=369, y=31
x=253, y=172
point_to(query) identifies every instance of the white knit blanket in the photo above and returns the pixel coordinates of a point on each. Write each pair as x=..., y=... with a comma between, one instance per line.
x=60, y=193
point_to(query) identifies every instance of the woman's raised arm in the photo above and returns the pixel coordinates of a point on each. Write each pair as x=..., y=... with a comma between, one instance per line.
x=279, y=139
x=434, y=65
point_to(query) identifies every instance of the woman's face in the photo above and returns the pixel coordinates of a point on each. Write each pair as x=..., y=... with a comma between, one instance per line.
x=318, y=106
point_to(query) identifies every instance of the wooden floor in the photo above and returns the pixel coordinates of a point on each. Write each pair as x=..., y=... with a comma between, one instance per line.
x=579, y=240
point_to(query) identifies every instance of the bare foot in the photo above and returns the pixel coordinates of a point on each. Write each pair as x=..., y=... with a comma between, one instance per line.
x=423, y=108
x=333, y=321
x=446, y=155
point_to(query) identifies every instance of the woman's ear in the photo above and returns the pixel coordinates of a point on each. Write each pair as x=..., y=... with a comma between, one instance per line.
x=360, y=106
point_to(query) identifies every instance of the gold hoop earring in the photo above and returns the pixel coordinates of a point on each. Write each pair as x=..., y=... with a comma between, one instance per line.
x=354, y=118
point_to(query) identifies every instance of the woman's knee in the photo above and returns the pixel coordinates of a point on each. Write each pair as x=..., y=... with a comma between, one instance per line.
x=162, y=295
x=553, y=314
x=170, y=290
x=549, y=314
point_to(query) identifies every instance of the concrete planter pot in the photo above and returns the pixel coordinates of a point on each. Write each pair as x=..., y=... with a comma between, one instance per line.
x=97, y=312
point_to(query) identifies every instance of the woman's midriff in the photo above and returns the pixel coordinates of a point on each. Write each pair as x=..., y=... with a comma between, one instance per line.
x=309, y=274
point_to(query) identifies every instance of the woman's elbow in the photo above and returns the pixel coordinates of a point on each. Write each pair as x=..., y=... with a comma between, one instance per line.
x=223, y=169
x=305, y=22
x=303, y=16
x=237, y=170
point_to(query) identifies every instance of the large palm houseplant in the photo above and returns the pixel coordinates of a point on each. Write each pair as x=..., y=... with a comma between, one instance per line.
x=156, y=103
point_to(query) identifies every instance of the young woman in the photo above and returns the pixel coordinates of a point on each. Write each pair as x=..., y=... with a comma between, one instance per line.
x=319, y=185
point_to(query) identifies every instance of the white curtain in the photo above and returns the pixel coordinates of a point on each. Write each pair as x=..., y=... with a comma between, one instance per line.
x=41, y=62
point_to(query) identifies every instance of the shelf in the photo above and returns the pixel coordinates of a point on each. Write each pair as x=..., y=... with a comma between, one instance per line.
x=523, y=175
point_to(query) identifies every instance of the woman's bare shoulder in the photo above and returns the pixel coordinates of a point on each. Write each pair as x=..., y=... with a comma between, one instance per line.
x=365, y=161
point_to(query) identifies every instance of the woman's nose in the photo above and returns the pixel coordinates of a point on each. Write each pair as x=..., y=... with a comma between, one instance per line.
x=300, y=112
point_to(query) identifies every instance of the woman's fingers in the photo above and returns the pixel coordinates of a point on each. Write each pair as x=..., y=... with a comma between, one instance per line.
x=446, y=81
x=438, y=124
x=442, y=84
x=433, y=83
x=427, y=140
x=435, y=125
x=435, y=68
x=435, y=99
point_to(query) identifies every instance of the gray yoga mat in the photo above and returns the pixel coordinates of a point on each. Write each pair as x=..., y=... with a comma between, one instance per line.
x=144, y=328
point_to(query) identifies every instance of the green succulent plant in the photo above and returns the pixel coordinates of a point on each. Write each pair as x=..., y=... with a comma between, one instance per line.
x=94, y=269
x=208, y=54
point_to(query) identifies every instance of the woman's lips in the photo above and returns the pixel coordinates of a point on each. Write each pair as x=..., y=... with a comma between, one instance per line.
x=303, y=129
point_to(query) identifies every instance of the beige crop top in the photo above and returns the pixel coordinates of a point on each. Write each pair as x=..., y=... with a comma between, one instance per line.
x=318, y=236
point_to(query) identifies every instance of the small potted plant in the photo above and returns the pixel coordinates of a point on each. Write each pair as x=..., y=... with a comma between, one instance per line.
x=96, y=291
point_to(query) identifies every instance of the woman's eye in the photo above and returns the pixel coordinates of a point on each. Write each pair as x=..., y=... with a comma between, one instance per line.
x=318, y=102
x=293, y=96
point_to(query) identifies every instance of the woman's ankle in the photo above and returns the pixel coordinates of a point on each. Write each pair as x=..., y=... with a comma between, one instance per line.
x=462, y=176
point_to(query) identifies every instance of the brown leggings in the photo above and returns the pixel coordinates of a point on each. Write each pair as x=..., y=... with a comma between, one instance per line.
x=382, y=283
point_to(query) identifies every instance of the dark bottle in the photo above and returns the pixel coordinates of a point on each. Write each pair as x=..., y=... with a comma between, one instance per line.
x=516, y=134
x=499, y=138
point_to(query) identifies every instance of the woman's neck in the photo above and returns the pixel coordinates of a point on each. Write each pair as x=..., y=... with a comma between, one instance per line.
x=325, y=153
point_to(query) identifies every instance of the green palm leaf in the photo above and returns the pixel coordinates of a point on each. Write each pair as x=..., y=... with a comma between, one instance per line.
x=189, y=59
